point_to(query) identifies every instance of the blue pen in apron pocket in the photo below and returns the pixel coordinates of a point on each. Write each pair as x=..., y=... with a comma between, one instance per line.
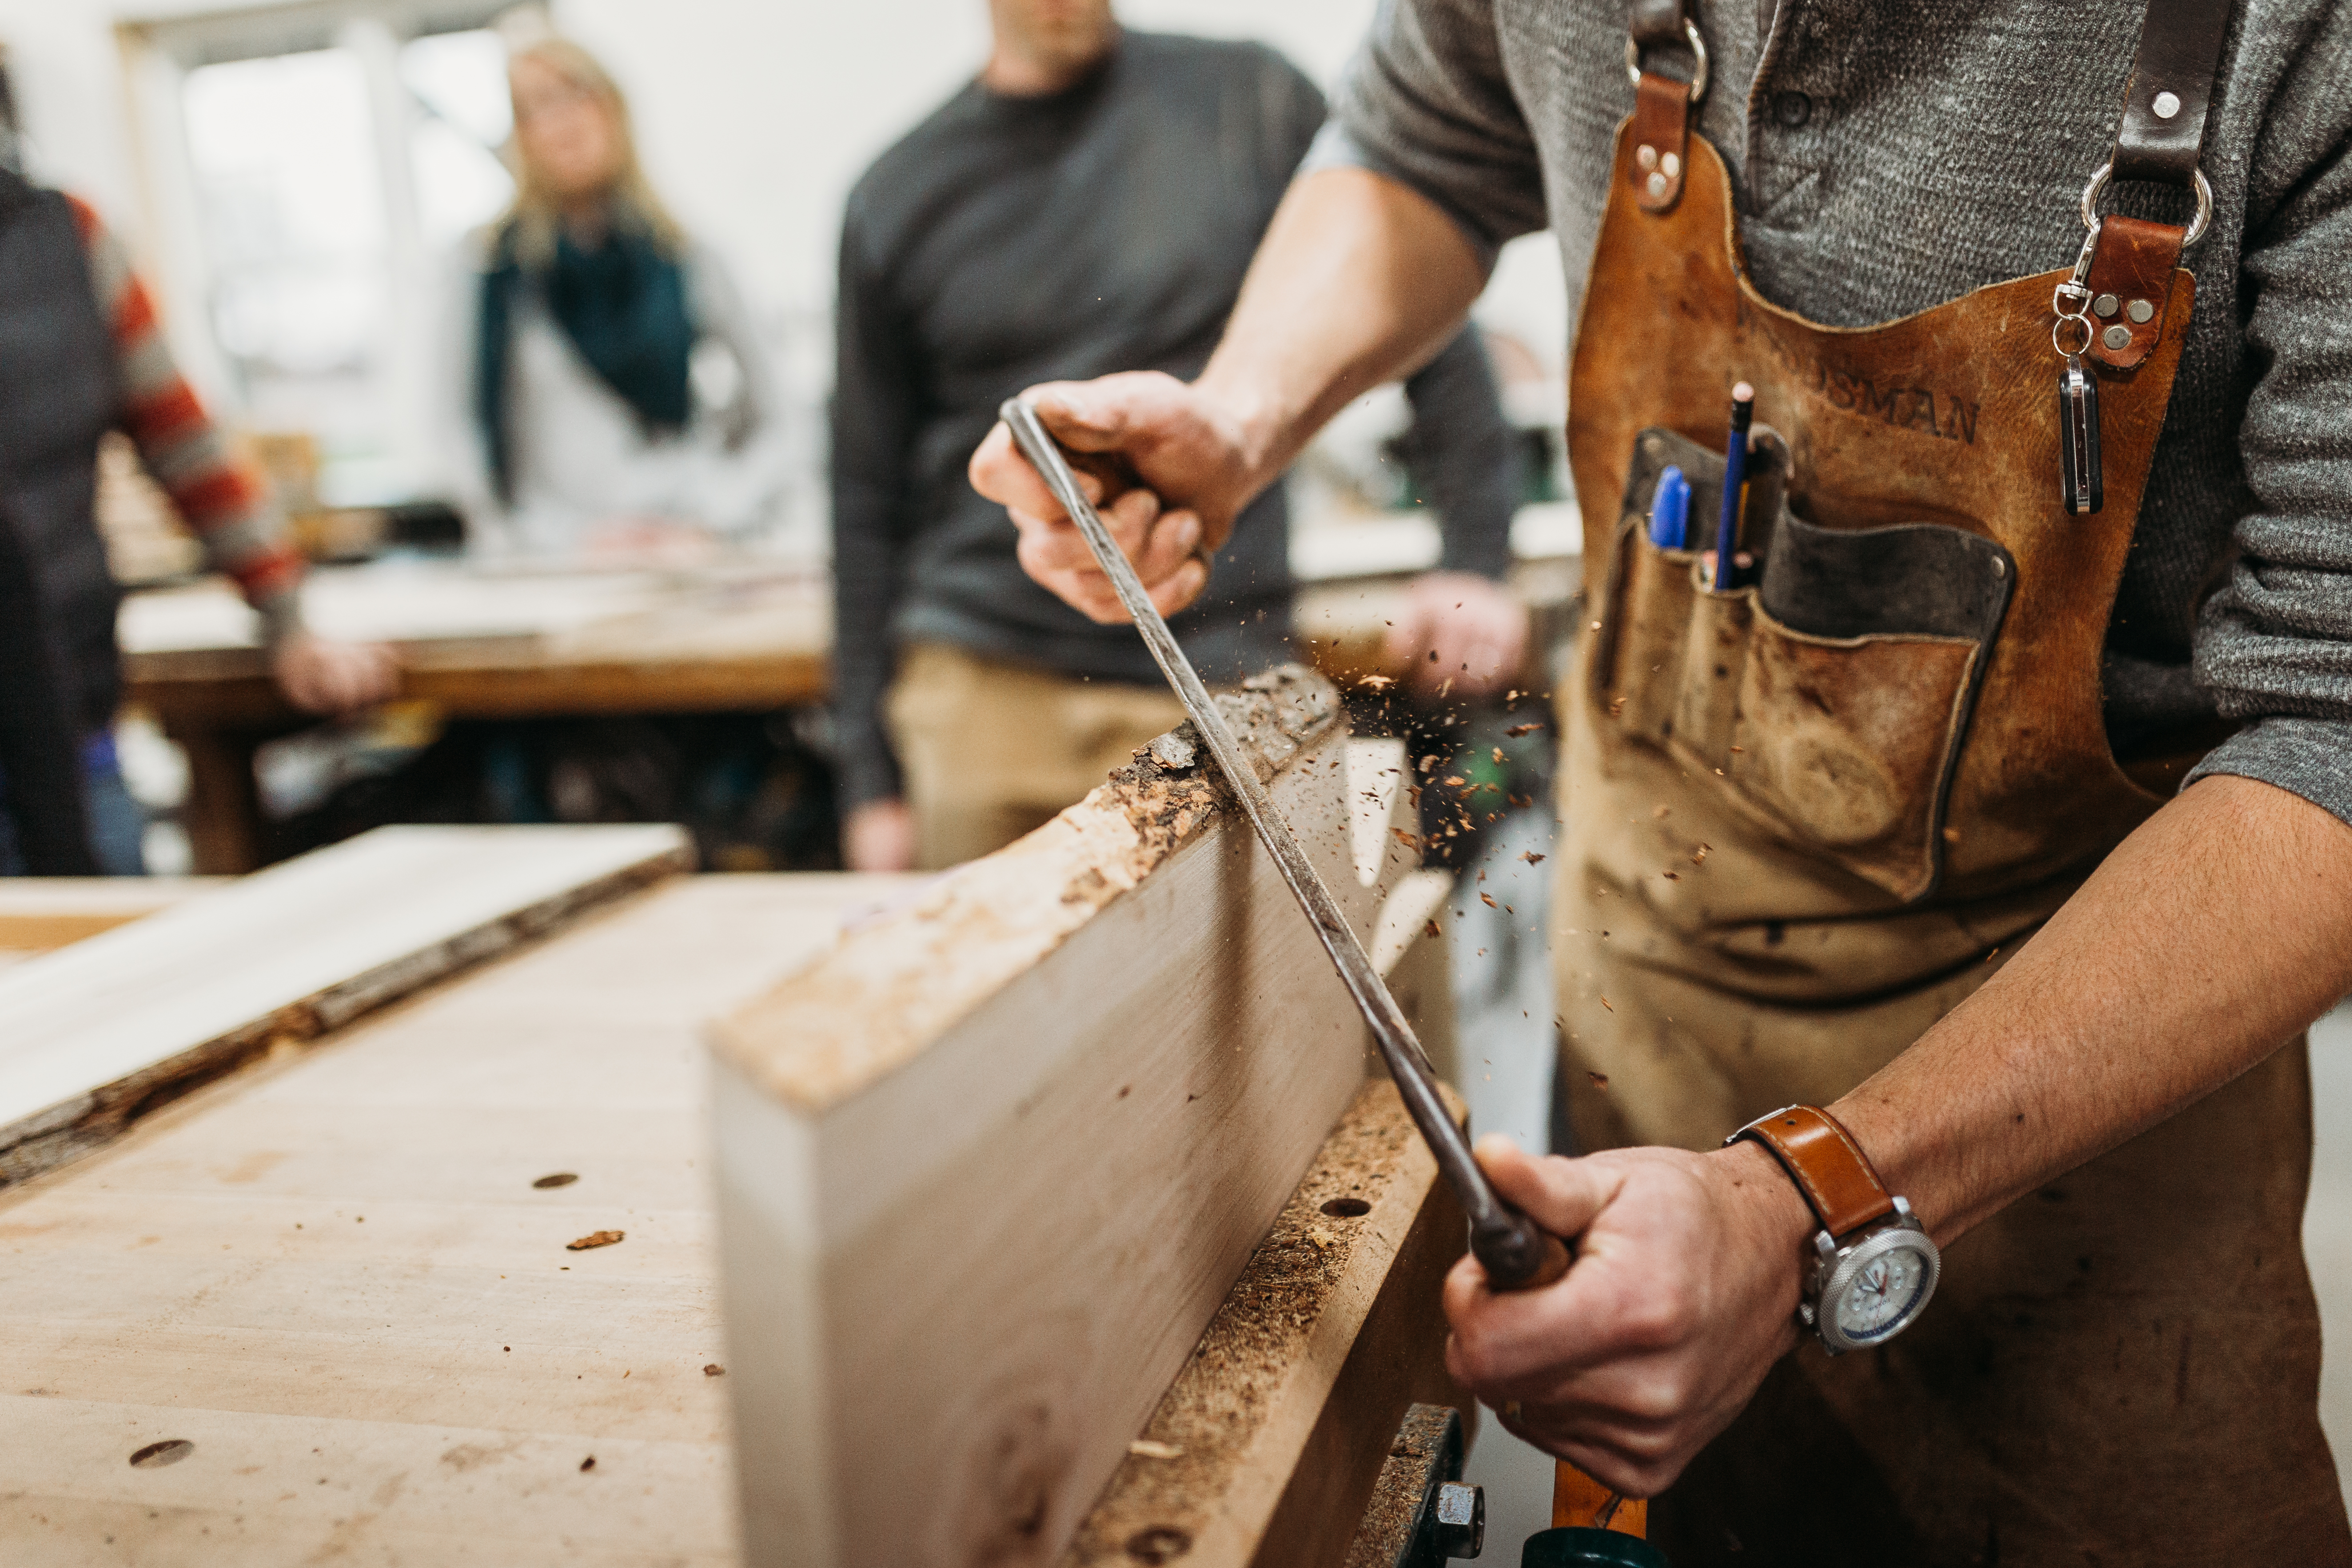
x=1669, y=510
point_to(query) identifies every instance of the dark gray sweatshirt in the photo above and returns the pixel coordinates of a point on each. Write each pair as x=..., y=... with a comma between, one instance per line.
x=1887, y=157
x=1010, y=241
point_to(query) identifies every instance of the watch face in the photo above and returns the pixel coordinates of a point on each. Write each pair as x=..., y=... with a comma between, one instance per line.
x=1884, y=1293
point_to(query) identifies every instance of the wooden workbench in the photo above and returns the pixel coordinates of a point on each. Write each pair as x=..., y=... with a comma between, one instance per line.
x=329, y=1308
x=335, y=1278
x=743, y=638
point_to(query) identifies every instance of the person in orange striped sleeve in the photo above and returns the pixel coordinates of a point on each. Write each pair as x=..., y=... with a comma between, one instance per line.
x=81, y=354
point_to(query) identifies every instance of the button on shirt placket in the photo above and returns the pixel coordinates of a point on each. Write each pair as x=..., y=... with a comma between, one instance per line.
x=1790, y=110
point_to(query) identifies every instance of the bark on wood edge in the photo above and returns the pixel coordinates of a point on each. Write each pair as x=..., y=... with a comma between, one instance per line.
x=883, y=992
x=64, y=1132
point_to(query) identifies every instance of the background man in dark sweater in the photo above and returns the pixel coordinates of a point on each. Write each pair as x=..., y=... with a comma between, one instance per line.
x=1087, y=206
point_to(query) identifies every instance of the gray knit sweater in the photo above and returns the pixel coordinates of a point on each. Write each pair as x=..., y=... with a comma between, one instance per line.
x=1887, y=157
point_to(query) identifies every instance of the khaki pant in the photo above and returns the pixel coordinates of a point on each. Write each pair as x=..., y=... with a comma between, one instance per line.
x=991, y=749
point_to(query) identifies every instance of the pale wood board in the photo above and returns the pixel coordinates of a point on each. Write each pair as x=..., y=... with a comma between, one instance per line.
x=40, y=914
x=312, y=1272
x=96, y=1034
x=986, y=1170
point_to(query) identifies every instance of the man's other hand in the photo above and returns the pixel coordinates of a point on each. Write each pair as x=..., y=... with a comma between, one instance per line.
x=323, y=675
x=1457, y=627
x=1683, y=1294
x=880, y=836
x=1169, y=474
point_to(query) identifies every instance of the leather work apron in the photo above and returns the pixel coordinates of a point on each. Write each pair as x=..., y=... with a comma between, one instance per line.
x=1805, y=818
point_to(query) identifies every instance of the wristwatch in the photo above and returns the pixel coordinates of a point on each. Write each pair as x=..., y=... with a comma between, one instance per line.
x=1874, y=1266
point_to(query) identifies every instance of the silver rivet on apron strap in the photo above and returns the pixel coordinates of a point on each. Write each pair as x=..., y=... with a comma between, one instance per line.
x=2117, y=337
x=1671, y=165
x=1645, y=156
x=2106, y=304
x=1658, y=184
x=2141, y=310
x=2166, y=105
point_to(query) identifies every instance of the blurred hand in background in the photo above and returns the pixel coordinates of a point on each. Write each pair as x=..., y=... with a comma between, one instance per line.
x=1457, y=627
x=325, y=675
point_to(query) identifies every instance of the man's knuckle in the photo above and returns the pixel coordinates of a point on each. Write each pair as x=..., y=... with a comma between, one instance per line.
x=1659, y=1321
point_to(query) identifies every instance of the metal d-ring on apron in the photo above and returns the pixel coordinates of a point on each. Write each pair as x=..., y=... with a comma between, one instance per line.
x=1804, y=820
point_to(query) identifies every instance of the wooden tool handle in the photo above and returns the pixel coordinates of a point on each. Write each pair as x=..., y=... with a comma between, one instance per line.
x=1578, y=1500
x=1576, y=1497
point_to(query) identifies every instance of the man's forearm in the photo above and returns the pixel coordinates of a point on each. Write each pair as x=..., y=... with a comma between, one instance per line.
x=1358, y=280
x=2209, y=938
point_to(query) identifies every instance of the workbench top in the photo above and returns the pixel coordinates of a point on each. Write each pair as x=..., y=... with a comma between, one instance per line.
x=336, y=1277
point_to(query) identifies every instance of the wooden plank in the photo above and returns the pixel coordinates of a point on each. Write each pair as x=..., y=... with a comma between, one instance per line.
x=94, y=1036
x=1266, y=1449
x=336, y=1276
x=987, y=1168
x=39, y=914
x=1411, y=948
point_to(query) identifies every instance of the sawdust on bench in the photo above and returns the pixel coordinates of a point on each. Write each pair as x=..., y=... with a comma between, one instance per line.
x=1229, y=1388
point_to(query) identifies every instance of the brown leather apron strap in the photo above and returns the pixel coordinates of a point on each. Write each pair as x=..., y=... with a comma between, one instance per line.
x=2163, y=130
x=1657, y=24
x=2160, y=138
x=1662, y=103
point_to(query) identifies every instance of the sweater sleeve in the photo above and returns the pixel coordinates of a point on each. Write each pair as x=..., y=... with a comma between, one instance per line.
x=225, y=503
x=1425, y=102
x=875, y=407
x=2275, y=643
x=1462, y=457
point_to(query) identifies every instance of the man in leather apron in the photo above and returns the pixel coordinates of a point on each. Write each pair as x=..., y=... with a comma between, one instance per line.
x=2010, y=826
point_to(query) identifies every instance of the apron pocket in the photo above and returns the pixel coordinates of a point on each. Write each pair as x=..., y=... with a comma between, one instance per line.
x=1830, y=701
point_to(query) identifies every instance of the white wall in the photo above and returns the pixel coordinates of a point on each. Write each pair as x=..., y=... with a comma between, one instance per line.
x=756, y=115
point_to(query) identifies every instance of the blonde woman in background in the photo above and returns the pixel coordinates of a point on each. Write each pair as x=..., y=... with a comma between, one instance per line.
x=618, y=399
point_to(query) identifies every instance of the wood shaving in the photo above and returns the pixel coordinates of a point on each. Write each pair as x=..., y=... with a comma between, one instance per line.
x=595, y=1238
x=1532, y=858
x=1144, y=1449
x=1516, y=731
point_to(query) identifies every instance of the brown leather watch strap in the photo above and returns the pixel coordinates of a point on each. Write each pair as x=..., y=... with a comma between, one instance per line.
x=1837, y=1179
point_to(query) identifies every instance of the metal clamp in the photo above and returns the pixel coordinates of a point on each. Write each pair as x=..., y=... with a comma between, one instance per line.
x=2196, y=226
x=1699, y=53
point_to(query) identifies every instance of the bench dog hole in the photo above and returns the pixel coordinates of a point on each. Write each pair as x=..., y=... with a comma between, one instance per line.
x=1160, y=1543
x=1346, y=1208
x=155, y=1455
x=561, y=1179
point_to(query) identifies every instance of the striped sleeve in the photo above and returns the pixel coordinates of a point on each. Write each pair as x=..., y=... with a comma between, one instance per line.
x=225, y=503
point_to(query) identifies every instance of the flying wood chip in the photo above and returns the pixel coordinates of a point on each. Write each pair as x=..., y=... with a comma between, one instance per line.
x=1516, y=731
x=1532, y=858
x=593, y=1238
x=1377, y=682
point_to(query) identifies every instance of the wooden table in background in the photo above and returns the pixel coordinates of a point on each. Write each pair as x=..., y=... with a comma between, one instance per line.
x=731, y=640
x=587, y=645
